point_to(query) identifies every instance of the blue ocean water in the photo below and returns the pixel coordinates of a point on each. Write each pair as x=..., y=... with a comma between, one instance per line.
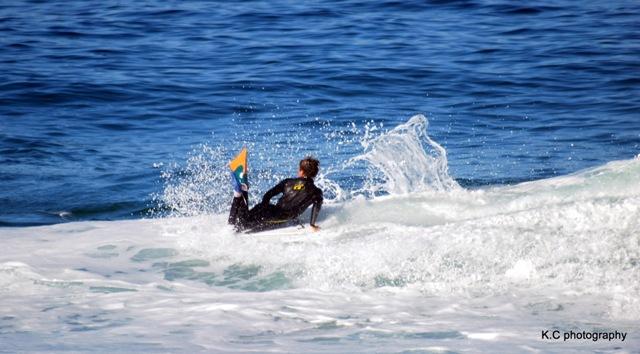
x=98, y=98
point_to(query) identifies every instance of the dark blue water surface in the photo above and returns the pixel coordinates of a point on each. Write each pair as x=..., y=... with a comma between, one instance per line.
x=95, y=95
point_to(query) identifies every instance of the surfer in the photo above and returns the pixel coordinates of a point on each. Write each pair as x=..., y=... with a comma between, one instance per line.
x=297, y=195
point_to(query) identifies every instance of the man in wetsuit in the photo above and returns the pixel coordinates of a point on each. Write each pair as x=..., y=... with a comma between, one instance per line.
x=297, y=195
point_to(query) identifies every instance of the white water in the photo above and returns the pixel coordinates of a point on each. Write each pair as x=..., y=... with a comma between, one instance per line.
x=408, y=160
x=441, y=270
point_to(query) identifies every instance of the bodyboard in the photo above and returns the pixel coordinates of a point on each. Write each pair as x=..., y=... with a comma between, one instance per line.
x=276, y=225
x=287, y=232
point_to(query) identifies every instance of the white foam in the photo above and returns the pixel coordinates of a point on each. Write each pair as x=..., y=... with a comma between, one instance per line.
x=440, y=269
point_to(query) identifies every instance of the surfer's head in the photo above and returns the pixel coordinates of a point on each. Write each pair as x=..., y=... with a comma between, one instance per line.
x=309, y=167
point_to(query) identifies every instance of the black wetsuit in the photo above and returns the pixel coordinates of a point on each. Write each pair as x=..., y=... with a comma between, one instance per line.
x=297, y=195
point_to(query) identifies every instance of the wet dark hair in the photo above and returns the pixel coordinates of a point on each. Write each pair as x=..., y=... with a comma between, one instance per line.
x=310, y=166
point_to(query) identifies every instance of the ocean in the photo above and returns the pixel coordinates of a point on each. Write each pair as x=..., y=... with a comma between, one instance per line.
x=480, y=162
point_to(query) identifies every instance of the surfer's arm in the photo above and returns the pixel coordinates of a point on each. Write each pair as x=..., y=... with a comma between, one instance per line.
x=277, y=189
x=317, y=205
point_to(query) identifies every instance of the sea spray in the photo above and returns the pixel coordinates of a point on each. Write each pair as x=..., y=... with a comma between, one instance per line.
x=201, y=184
x=407, y=159
x=396, y=161
x=195, y=187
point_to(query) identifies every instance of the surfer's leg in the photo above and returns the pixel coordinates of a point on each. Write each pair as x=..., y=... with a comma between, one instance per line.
x=239, y=209
x=242, y=217
x=262, y=216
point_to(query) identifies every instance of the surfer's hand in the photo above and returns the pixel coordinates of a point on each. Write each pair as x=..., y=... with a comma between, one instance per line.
x=315, y=228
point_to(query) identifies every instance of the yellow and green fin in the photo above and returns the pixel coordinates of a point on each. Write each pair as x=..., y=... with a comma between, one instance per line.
x=239, y=169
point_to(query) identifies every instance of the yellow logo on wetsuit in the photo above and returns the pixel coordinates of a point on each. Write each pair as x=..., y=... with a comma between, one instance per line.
x=298, y=187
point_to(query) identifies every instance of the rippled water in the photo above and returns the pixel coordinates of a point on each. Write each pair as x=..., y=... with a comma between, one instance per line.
x=97, y=99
